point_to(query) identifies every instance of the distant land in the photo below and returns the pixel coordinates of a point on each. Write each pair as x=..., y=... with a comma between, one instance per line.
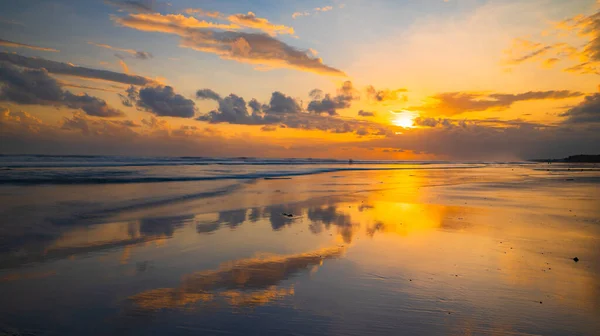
x=581, y=158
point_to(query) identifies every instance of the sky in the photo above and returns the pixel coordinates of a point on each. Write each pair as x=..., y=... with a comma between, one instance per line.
x=391, y=80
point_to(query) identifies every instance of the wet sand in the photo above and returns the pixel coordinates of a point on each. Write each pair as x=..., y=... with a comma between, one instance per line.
x=473, y=251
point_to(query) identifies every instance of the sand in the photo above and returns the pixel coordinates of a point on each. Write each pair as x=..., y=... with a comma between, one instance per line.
x=473, y=251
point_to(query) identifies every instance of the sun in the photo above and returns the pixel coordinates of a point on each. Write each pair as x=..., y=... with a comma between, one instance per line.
x=405, y=119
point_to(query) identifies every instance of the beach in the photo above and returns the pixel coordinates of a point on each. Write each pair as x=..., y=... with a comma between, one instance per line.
x=189, y=246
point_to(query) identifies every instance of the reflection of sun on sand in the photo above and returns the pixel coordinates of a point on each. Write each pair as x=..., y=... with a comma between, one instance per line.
x=246, y=282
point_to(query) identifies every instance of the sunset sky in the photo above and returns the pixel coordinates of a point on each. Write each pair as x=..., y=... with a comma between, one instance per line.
x=406, y=79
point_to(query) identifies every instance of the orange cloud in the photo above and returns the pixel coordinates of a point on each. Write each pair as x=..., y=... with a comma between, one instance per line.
x=238, y=46
x=201, y=12
x=11, y=44
x=315, y=10
x=240, y=21
x=124, y=66
x=151, y=22
x=550, y=62
x=581, y=26
x=251, y=21
x=452, y=103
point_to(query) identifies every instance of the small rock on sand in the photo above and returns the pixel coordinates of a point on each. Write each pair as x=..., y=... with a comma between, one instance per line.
x=575, y=259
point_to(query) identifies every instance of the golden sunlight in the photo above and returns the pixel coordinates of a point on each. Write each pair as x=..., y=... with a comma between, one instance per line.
x=404, y=118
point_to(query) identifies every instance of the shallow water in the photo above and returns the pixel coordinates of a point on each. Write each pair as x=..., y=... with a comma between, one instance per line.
x=475, y=249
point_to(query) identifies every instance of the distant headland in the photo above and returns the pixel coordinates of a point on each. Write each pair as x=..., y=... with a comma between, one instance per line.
x=580, y=158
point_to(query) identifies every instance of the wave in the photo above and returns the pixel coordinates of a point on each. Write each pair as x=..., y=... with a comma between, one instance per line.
x=125, y=177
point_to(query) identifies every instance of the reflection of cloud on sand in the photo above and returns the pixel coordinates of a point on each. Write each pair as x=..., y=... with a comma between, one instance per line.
x=247, y=282
x=96, y=238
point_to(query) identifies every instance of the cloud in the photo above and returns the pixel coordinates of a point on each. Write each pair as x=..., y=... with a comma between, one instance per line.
x=169, y=23
x=384, y=95
x=18, y=121
x=327, y=104
x=587, y=26
x=135, y=6
x=529, y=56
x=584, y=68
x=124, y=66
x=98, y=127
x=162, y=101
x=452, y=103
x=201, y=12
x=550, y=62
x=90, y=105
x=268, y=128
x=363, y=113
x=298, y=14
x=314, y=11
x=71, y=70
x=282, y=104
x=10, y=44
x=323, y=9
x=36, y=87
x=284, y=111
x=587, y=111
x=578, y=27
x=242, y=47
x=475, y=140
x=251, y=21
x=208, y=94
x=234, y=109
x=143, y=55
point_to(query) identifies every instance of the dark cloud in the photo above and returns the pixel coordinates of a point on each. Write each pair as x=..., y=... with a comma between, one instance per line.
x=72, y=70
x=28, y=86
x=233, y=109
x=330, y=104
x=587, y=111
x=91, y=105
x=131, y=97
x=363, y=113
x=36, y=87
x=207, y=94
x=478, y=140
x=531, y=55
x=285, y=111
x=268, y=128
x=451, y=103
x=163, y=101
x=255, y=105
x=281, y=104
x=142, y=55
x=120, y=129
x=134, y=6
x=133, y=53
x=384, y=95
x=254, y=48
x=432, y=122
